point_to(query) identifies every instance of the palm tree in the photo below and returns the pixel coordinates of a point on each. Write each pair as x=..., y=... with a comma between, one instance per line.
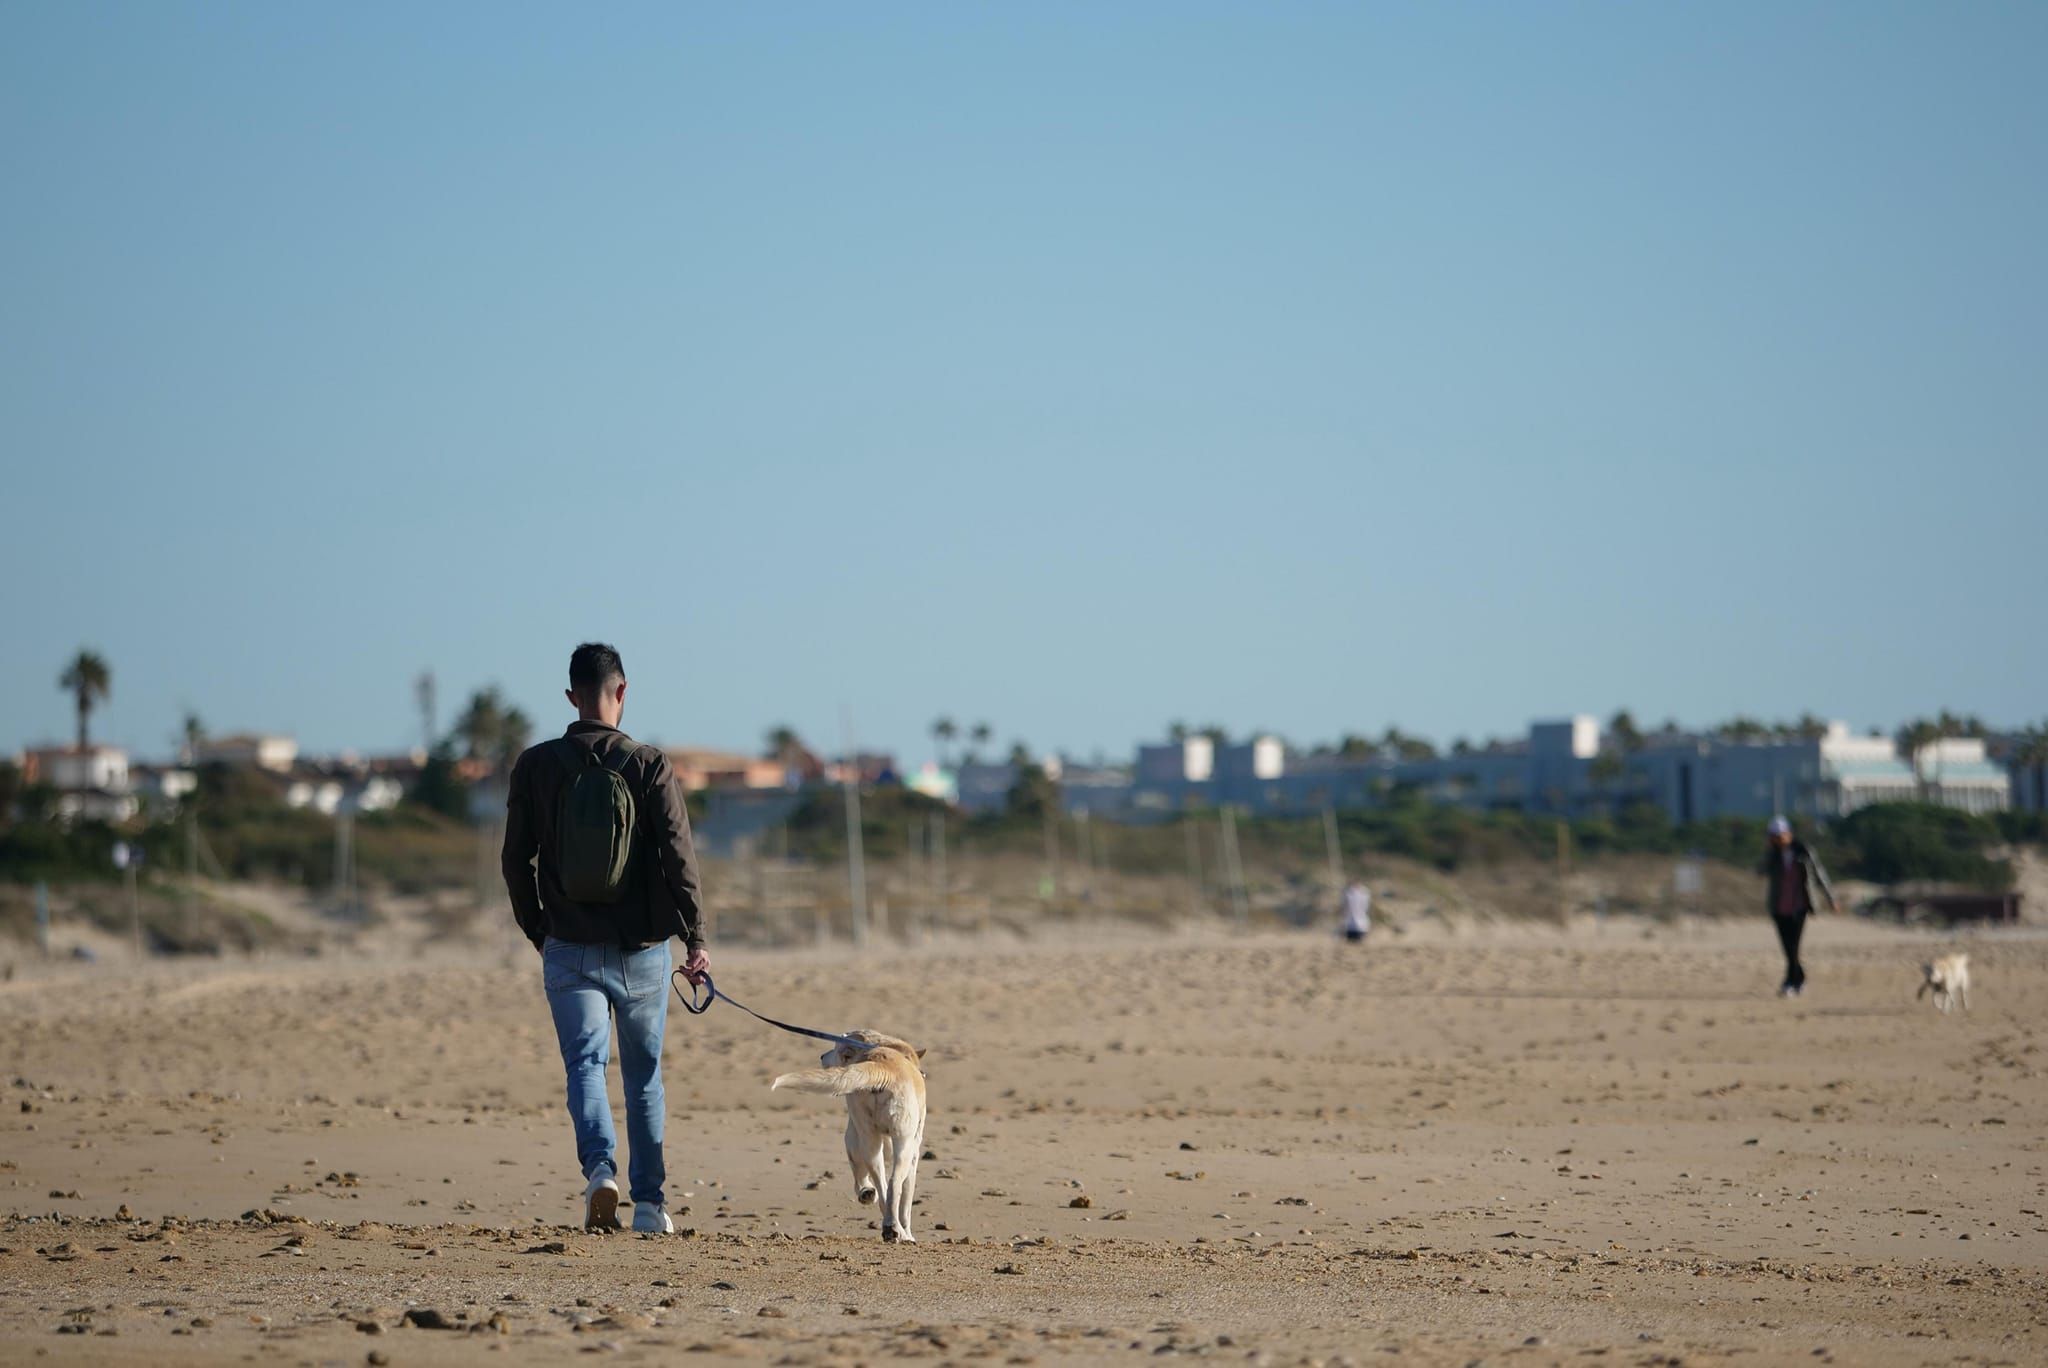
x=1911, y=739
x=514, y=731
x=1402, y=746
x=1741, y=729
x=781, y=741
x=492, y=730
x=980, y=737
x=478, y=723
x=1968, y=724
x=195, y=736
x=943, y=732
x=88, y=680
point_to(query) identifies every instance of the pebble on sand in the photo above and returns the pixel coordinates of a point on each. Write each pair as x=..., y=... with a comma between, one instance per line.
x=427, y=1318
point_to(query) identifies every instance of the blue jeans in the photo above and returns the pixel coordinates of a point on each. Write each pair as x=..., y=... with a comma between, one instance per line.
x=587, y=985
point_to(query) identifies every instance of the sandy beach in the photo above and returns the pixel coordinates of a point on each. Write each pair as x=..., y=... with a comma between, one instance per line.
x=1501, y=1144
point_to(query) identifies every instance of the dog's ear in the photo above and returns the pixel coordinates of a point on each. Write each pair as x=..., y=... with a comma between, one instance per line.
x=920, y=1054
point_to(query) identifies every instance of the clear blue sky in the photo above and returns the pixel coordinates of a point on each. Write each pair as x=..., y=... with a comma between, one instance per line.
x=1077, y=367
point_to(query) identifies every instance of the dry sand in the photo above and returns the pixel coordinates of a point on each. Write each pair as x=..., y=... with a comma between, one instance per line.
x=1515, y=1145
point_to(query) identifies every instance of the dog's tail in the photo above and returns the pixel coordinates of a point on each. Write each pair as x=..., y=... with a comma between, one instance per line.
x=866, y=1076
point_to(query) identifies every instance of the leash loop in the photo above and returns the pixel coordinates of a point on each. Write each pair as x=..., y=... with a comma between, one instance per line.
x=697, y=1007
x=691, y=1003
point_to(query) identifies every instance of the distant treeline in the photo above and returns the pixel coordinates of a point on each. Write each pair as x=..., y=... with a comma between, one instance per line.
x=236, y=826
x=1884, y=843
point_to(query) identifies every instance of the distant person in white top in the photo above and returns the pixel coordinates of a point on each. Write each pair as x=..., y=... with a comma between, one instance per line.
x=1357, y=910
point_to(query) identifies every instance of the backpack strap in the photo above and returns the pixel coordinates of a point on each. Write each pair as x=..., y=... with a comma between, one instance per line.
x=620, y=757
x=575, y=758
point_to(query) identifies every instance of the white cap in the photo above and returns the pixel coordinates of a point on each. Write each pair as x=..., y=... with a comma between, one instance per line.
x=1778, y=826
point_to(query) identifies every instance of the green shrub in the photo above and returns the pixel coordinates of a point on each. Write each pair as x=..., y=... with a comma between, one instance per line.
x=1894, y=842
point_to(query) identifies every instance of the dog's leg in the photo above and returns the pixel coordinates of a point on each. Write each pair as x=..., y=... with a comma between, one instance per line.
x=906, y=1185
x=886, y=1171
x=897, y=1218
x=863, y=1169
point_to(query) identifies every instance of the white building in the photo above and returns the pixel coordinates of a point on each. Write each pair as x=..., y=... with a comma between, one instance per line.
x=67, y=767
x=332, y=794
x=248, y=750
x=1857, y=771
x=1957, y=772
x=90, y=783
x=1190, y=760
x=162, y=786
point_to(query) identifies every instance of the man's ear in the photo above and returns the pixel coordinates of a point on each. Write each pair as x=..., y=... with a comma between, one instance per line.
x=621, y=694
x=574, y=701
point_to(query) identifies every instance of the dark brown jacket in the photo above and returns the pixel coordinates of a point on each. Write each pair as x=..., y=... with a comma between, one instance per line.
x=660, y=899
x=1805, y=867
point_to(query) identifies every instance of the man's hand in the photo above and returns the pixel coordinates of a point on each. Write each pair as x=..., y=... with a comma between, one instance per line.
x=697, y=968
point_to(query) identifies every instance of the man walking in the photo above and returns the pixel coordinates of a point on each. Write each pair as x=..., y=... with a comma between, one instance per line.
x=1787, y=866
x=616, y=876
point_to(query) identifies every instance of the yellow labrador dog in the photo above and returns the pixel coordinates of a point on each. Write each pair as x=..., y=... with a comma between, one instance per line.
x=1949, y=978
x=883, y=1084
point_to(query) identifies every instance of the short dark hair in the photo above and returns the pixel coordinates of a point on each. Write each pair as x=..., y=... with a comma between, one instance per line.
x=593, y=667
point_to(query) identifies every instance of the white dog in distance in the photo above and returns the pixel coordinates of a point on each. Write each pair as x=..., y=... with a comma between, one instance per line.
x=1949, y=977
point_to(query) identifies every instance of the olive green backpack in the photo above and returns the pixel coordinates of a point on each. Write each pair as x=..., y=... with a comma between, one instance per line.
x=594, y=822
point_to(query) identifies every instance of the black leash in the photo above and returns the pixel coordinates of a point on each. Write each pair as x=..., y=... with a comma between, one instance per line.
x=698, y=1007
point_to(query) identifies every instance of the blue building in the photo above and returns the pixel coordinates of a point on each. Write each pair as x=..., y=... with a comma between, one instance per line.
x=1568, y=768
x=1564, y=767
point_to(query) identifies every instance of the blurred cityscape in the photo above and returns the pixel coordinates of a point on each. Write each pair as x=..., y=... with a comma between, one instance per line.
x=238, y=840
x=1573, y=767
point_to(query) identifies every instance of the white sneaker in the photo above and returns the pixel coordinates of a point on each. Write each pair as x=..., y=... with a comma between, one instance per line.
x=601, y=1200
x=650, y=1219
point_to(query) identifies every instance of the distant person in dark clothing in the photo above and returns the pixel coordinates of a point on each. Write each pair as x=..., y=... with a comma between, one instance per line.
x=1790, y=869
